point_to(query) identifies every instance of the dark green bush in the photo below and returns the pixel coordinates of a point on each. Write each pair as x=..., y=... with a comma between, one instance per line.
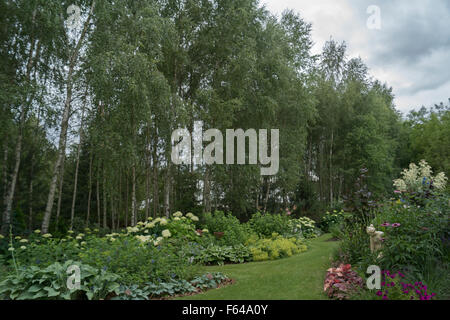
x=234, y=233
x=266, y=224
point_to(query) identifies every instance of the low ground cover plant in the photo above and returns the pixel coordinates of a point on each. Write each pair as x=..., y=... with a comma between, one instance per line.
x=50, y=282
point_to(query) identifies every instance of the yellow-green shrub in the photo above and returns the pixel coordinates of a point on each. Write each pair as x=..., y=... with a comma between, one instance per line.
x=274, y=248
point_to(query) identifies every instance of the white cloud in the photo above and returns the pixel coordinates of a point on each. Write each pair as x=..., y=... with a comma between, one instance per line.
x=411, y=52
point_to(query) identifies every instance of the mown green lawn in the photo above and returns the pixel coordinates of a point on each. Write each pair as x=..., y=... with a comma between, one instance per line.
x=296, y=278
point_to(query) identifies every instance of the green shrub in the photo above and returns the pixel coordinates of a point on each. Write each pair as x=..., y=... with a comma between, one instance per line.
x=413, y=235
x=274, y=248
x=331, y=219
x=234, y=233
x=266, y=224
x=214, y=254
x=136, y=262
x=302, y=227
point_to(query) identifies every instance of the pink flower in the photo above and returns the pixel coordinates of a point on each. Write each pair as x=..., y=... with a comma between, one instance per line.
x=396, y=225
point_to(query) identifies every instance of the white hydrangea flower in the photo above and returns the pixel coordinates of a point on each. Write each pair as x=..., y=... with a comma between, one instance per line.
x=416, y=177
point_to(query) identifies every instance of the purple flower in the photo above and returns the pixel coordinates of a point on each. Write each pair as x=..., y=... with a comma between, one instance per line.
x=385, y=297
x=379, y=293
x=396, y=225
x=386, y=224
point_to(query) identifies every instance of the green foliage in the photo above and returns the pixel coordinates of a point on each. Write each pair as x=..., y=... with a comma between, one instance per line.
x=275, y=247
x=360, y=203
x=266, y=224
x=214, y=254
x=171, y=288
x=428, y=137
x=330, y=219
x=235, y=233
x=355, y=246
x=413, y=235
x=136, y=262
x=51, y=283
x=302, y=227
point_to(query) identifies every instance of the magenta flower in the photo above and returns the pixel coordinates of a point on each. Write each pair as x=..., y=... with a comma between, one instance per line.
x=386, y=224
x=396, y=225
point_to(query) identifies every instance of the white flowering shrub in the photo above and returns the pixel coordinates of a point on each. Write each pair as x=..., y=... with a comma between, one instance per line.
x=419, y=178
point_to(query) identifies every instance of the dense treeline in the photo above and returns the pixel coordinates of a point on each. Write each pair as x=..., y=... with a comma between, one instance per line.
x=87, y=112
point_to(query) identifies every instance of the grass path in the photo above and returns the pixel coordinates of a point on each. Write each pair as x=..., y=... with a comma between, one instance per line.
x=299, y=277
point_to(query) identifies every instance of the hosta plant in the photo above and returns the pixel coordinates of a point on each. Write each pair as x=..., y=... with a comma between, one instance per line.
x=50, y=283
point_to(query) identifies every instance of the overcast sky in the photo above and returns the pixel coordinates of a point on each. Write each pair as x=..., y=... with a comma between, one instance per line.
x=411, y=50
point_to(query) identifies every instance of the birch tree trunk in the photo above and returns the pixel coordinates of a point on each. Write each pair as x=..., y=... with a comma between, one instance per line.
x=6, y=221
x=65, y=122
x=5, y=172
x=206, y=191
x=105, y=224
x=155, y=178
x=74, y=197
x=60, y=190
x=331, y=169
x=267, y=195
x=98, y=197
x=90, y=192
x=167, y=193
x=133, y=198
